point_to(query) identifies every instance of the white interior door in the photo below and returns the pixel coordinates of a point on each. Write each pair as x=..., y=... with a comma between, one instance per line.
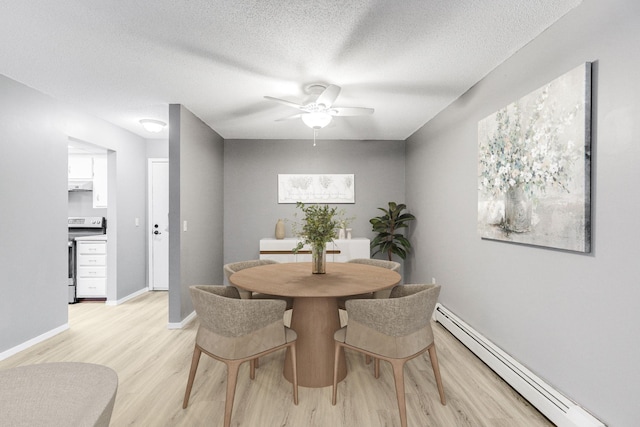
x=159, y=224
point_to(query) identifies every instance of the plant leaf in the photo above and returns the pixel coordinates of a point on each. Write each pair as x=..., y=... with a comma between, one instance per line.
x=388, y=240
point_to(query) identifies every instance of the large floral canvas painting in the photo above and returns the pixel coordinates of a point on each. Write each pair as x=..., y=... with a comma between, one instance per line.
x=534, y=167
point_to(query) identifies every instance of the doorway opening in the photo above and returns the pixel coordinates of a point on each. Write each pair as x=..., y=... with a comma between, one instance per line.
x=158, y=211
x=91, y=185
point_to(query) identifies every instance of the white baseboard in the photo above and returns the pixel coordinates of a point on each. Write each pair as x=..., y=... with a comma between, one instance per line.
x=127, y=298
x=33, y=341
x=556, y=407
x=184, y=322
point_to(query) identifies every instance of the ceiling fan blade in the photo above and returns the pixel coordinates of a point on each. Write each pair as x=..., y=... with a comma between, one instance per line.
x=351, y=111
x=328, y=96
x=285, y=102
x=295, y=116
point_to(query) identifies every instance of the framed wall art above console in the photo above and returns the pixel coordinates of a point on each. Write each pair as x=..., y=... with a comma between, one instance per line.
x=316, y=188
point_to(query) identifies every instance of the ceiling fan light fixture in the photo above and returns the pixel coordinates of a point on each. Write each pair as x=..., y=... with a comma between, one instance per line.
x=316, y=120
x=152, y=125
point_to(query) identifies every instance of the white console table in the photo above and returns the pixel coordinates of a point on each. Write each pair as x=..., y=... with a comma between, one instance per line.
x=340, y=250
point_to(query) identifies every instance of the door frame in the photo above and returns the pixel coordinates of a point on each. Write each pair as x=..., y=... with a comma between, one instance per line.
x=150, y=163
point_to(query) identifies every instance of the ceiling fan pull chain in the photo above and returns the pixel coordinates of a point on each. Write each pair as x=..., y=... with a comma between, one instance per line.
x=314, y=136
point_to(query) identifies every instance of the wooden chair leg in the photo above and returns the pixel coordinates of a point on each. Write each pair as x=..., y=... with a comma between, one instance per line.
x=252, y=368
x=336, y=360
x=367, y=359
x=376, y=367
x=295, y=373
x=398, y=376
x=192, y=374
x=436, y=372
x=232, y=378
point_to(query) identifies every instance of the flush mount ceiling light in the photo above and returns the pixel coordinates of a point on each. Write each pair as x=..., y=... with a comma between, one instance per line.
x=152, y=125
x=316, y=120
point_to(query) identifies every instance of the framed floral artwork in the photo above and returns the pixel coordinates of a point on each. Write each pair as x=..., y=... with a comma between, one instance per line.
x=534, y=167
x=316, y=188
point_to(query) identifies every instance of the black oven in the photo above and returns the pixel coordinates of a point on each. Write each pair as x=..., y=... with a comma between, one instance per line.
x=79, y=227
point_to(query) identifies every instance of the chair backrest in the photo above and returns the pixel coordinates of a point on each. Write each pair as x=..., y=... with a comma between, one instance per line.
x=408, y=309
x=220, y=310
x=234, y=267
x=396, y=327
x=211, y=307
x=417, y=302
x=391, y=265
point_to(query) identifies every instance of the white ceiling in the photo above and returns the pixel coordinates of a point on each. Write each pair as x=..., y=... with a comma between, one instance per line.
x=127, y=60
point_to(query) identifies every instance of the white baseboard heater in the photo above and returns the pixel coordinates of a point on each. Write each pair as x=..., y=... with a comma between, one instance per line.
x=557, y=408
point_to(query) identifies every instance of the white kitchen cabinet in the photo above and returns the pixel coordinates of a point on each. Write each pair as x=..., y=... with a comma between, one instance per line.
x=91, y=269
x=90, y=167
x=80, y=167
x=340, y=250
x=99, y=181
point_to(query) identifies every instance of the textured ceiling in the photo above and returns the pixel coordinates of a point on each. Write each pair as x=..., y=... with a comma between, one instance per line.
x=127, y=60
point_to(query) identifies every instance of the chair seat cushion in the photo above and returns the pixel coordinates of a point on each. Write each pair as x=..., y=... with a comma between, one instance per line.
x=290, y=335
x=244, y=346
x=57, y=394
x=366, y=338
x=340, y=335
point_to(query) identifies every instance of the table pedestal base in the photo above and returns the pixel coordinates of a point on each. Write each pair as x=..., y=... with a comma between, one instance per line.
x=315, y=320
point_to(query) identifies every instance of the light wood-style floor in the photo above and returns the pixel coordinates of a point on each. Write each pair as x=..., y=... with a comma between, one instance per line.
x=152, y=363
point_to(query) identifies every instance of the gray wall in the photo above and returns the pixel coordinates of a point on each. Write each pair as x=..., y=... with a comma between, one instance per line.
x=131, y=198
x=251, y=206
x=33, y=215
x=195, y=196
x=80, y=203
x=33, y=174
x=158, y=148
x=571, y=318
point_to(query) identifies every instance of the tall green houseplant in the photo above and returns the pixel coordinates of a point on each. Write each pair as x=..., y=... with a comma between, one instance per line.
x=389, y=240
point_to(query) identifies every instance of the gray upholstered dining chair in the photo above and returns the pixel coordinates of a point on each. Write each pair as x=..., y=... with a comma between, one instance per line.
x=234, y=267
x=234, y=330
x=391, y=265
x=396, y=329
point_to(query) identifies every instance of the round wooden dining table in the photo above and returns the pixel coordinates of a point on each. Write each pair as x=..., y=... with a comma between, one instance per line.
x=315, y=316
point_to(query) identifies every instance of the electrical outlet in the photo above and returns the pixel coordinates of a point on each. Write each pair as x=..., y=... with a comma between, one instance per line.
x=433, y=280
x=184, y=226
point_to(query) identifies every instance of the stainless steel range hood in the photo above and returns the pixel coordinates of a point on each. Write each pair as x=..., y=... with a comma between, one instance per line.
x=80, y=185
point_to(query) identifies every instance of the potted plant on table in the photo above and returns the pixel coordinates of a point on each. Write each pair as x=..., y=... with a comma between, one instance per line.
x=389, y=241
x=318, y=228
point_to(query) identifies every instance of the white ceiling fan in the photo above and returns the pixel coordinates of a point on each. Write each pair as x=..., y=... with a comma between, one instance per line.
x=319, y=113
